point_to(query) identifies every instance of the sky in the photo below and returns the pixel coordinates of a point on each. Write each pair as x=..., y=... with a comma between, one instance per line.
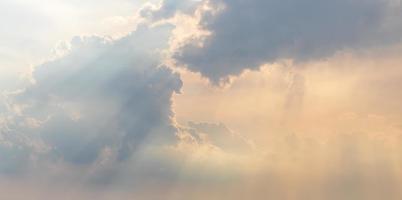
x=201, y=99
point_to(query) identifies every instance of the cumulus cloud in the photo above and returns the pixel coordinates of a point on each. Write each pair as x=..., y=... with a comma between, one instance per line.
x=245, y=34
x=102, y=96
x=104, y=103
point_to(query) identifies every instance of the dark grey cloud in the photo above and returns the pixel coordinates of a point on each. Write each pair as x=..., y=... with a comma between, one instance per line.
x=102, y=95
x=248, y=33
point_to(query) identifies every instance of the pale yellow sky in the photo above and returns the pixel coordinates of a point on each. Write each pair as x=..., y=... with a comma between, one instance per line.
x=312, y=121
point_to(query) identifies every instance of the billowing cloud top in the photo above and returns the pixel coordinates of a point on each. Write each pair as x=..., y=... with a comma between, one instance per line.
x=102, y=95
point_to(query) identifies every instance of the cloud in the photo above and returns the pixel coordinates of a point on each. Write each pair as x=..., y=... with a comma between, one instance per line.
x=35, y=26
x=103, y=112
x=102, y=96
x=244, y=34
x=220, y=136
x=168, y=8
